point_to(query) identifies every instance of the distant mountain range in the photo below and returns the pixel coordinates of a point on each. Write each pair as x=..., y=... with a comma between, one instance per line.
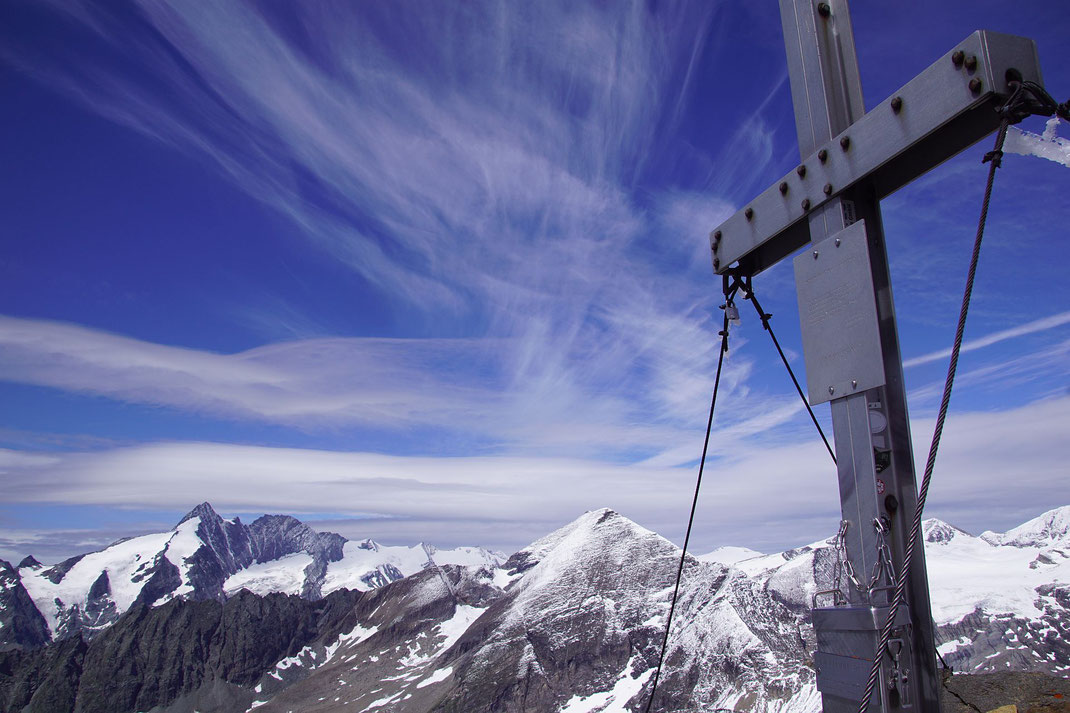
x=216, y=616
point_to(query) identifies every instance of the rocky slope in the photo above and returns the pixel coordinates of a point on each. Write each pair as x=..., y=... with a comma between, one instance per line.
x=203, y=557
x=570, y=624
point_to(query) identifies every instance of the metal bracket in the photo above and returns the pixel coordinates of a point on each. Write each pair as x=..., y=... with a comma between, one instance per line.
x=942, y=111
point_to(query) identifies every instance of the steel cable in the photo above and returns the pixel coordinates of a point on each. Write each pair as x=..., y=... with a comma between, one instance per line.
x=691, y=518
x=995, y=157
x=776, y=343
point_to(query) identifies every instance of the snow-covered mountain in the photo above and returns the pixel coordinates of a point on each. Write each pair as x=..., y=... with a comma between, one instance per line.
x=570, y=624
x=203, y=557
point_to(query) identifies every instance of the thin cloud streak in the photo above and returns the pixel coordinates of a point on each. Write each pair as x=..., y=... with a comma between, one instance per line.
x=769, y=498
x=1037, y=325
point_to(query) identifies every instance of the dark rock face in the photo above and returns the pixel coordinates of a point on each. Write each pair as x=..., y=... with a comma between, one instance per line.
x=227, y=548
x=21, y=625
x=56, y=573
x=153, y=656
x=275, y=536
x=31, y=562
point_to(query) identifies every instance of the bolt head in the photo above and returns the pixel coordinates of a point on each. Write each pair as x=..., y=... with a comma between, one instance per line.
x=854, y=383
x=801, y=170
x=832, y=389
x=822, y=155
x=975, y=85
x=971, y=62
x=806, y=204
x=837, y=242
x=828, y=189
x=717, y=236
x=845, y=142
x=815, y=254
x=783, y=188
x=749, y=213
x=823, y=9
x=716, y=263
x=897, y=104
x=957, y=57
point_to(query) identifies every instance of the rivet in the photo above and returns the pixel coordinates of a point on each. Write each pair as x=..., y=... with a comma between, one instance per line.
x=801, y=170
x=854, y=384
x=717, y=236
x=749, y=213
x=971, y=62
x=716, y=263
x=897, y=104
x=783, y=188
x=823, y=9
x=845, y=143
x=832, y=389
x=957, y=57
x=975, y=85
x=828, y=189
x=822, y=155
x=806, y=204
x=837, y=242
x=815, y=254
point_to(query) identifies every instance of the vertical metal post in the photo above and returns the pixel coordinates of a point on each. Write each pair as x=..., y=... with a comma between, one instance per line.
x=872, y=436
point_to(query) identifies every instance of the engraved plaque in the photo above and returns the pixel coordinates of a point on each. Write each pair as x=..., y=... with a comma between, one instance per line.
x=838, y=316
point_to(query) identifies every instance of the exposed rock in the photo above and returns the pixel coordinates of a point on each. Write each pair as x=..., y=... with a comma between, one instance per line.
x=21, y=624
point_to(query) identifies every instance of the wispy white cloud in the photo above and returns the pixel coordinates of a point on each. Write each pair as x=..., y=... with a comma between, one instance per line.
x=1037, y=325
x=640, y=396
x=765, y=498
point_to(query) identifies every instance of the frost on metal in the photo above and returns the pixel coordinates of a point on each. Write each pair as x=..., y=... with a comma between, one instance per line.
x=1047, y=145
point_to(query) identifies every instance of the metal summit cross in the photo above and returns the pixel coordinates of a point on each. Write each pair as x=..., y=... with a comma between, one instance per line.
x=850, y=160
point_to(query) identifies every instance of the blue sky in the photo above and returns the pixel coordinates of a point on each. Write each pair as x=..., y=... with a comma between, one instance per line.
x=439, y=271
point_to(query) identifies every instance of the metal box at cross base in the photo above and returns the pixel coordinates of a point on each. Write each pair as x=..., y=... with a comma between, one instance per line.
x=846, y=640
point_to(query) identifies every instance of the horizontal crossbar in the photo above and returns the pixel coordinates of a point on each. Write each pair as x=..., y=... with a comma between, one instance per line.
x=942, y=111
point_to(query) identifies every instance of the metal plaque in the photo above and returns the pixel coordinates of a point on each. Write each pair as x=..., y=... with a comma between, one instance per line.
x=841, y=676
x=838, y=315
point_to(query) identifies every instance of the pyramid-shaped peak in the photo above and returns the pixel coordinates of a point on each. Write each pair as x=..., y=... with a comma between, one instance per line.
x=935, y=530
x=31, y=562
x=593, y=532
x=203, y=511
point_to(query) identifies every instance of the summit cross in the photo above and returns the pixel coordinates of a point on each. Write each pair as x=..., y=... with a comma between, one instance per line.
x=830, y=204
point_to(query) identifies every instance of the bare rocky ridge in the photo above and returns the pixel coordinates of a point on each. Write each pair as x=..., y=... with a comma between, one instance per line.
x=570, y=624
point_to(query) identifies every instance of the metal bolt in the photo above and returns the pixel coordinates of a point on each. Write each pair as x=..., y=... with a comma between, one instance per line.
x=822, y=155
x=801, y=170
x=749, y=213
x=815, y=254
x=975, y=85
x=897, y=104
x=806, y=204
x=823, y=9
x=832, y=389
x=845, y=143
x=716, y=263
x=828, y=189
x=971, y=62
x=837, y=242
x=783, y=188
x=957, y=57
x=717, y=236
x=854, y=384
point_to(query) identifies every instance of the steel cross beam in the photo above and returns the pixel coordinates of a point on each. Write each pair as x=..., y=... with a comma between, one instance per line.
x=850, y=160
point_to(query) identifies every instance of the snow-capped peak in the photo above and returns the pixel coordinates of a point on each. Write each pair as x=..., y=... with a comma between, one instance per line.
x=937, y=531
x=730, y=555
x=1047, y=530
